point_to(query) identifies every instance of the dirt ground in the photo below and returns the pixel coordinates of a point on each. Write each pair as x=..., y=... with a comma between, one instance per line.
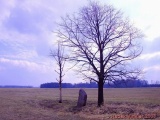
x=42, y=104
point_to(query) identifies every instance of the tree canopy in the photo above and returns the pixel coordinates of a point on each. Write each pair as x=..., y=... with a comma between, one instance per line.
x=102, y=42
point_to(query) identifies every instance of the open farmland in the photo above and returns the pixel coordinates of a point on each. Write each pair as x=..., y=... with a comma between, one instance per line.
x=42, y=104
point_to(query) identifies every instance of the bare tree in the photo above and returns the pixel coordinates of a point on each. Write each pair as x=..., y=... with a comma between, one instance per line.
x=58, y=55
x=103, y=43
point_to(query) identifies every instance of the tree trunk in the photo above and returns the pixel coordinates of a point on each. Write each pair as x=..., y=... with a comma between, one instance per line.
x=100, y=93
x=101, y=80
x=60, y=95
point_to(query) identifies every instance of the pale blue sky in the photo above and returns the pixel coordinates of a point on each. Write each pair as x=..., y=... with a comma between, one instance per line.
x=26, y=37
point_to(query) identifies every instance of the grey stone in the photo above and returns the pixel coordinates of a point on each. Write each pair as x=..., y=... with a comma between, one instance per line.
x=82, y=99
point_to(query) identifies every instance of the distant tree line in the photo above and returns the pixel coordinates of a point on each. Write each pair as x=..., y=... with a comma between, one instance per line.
x=15, y=86
x=117, y=84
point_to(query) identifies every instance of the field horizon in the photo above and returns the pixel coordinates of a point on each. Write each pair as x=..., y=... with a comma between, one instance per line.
x=42, y=104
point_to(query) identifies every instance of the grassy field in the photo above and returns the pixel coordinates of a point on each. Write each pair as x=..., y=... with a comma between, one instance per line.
x=42, y=104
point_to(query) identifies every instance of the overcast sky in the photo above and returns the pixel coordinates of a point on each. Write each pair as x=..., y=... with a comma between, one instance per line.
x=26, y=37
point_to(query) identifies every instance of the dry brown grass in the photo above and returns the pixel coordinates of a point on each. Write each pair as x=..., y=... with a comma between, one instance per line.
x=42, y=104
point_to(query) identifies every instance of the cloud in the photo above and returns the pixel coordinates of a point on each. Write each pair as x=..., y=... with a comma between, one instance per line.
x=151, y=53
x=28, y=19
x=152, y=73
x=30, y=66
x=5, y=8
x=144, y=15
x=151, y=46
x=149, y=61
x=20, y=76
x=150, y=56
x=153, y=68
x=26, y=35
x=22, y=72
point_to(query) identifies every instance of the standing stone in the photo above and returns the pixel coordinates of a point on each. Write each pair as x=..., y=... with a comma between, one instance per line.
x=82, y=99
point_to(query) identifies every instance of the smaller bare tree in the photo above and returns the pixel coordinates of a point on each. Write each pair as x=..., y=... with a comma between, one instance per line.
x=58, y=55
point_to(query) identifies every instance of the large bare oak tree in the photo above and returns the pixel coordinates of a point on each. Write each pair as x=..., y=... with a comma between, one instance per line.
x=103, y=42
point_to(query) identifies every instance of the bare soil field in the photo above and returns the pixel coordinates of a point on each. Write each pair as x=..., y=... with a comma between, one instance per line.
x=42, y=104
